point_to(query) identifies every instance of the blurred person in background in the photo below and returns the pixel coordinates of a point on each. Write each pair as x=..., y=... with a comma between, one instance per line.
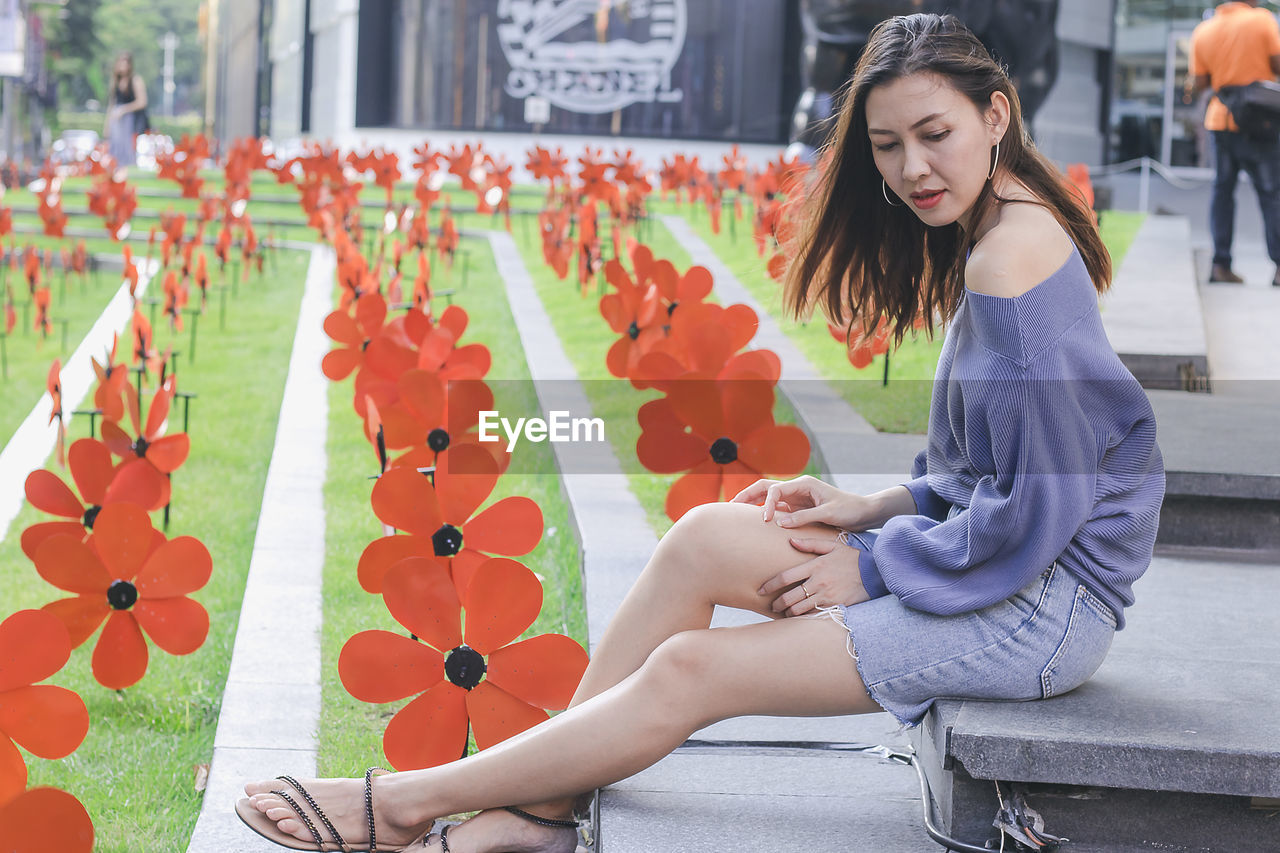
x=126, y=111
x=1238, y=45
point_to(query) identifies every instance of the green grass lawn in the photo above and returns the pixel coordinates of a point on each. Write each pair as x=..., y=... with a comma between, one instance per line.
x=76, y=303
x=135, y=771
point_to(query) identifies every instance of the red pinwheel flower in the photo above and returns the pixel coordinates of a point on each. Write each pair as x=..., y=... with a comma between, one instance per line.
x=702, y=343
x=165, y=453
x=454, y=684
x=145, y=354
x=627, y=169
x=447, y=242
x=47, y=721
x=128, y=575
x=634, y=311
x=426, y=161
x=674, y=175
x=734, y=174
x=43, y=323
x=391, y=354
x=354, y=334
x=112, y=378
x=130, y=271
x=100, y=483
x=861, y=347
x=31, y=268
x=445, y=413
x=557, y=246
x=175, y=299
x=50, y=205
x=443, y=519
x=723, y=434
x=45, y=819
x=467, y=163
x=547, y=166
x=53, y=384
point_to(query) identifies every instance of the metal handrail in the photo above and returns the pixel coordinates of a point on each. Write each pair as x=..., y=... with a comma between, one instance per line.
x=1145, y=165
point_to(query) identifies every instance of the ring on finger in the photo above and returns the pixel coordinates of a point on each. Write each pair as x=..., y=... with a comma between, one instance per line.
x=807, y=594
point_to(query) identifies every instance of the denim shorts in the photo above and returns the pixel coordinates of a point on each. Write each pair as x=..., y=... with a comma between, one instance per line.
x=1046, y=639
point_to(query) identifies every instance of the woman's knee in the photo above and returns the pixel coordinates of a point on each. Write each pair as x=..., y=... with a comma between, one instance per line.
x=681, y=663
x=702, y=531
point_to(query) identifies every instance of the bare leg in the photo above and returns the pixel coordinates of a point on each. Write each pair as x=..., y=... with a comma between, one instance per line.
x=716, y=554
x=790, y=667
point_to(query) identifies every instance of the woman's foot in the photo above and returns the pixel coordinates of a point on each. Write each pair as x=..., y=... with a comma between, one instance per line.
x=499, y=831
x=342, y=801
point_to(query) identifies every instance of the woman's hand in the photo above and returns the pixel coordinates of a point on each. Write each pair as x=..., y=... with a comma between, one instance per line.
x=830, y=578
x=806, y=500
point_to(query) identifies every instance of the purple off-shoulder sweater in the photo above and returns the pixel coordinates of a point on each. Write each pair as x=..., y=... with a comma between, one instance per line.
x=1042, y=448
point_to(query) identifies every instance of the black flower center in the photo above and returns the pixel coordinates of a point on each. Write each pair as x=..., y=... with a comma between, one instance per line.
x=90, y=516
x=140, y=447
x=122, y=595
x=438, y=440
x=724, y=451
x=446, y=541
x=464, y=667
x=633, y=331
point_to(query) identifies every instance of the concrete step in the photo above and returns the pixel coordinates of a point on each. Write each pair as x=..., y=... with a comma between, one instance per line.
x=1222, y=469
x=1152, y=313
x=764, y=795
x=1168, y=746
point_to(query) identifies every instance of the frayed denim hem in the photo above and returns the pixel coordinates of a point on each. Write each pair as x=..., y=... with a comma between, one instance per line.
x=836, y=613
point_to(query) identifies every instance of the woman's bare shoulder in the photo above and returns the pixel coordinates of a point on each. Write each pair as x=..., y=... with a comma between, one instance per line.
x=1024, y=248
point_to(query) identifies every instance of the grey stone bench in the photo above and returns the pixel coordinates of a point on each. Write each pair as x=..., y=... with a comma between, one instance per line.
x=1174, y=744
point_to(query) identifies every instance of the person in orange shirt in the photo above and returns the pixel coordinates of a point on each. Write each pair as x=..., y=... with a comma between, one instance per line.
x=1240, y=44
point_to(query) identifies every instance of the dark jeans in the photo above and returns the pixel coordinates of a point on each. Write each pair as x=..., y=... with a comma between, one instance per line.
x=1233, y=152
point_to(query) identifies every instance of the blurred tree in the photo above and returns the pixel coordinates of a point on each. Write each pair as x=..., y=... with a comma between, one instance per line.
x=74, y=48
x=138, y=26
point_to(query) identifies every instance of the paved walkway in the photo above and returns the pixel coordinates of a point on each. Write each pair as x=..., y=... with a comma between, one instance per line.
x=267, y=724
x=30, y=446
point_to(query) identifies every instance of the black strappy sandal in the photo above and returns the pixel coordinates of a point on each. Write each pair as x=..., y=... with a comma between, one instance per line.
x=541, y=821
x=267, y=828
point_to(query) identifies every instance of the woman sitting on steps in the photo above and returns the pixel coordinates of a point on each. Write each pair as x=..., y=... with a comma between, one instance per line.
x=1000, y=572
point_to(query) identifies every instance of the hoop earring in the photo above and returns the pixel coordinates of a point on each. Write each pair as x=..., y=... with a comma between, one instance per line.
x=884, y=190
x=995, y=161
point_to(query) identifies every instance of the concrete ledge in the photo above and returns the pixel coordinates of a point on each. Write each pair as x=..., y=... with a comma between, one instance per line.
x=1165, y=740
x=1152, y=313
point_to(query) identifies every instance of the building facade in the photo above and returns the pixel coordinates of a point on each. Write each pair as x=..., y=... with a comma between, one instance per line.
x=683, y=69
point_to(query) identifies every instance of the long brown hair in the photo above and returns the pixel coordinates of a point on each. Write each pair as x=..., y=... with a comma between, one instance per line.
x=859, y=258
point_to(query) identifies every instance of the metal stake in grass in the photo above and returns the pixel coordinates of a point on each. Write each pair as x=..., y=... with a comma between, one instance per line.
x=194, y=314
x=93, y=418
x=186, y=397
x=139, y=371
